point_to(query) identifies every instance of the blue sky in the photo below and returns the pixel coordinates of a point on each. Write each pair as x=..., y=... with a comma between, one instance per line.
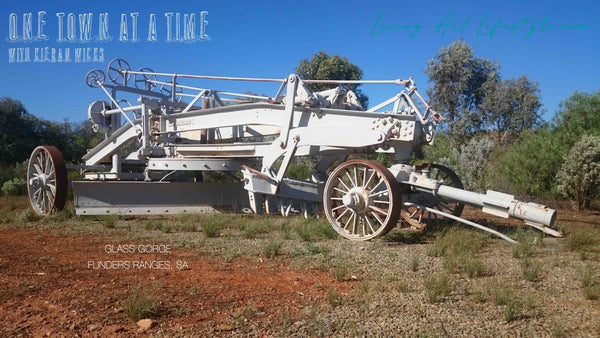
x=268, y=39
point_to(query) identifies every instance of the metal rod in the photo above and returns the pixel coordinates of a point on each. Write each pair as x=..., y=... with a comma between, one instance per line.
x=233, y=78
x=118, y=107
x=462, y=220
x=397, y=81
x=211, y=77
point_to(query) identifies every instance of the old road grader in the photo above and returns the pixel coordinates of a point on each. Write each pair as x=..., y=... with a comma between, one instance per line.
x=163, y=133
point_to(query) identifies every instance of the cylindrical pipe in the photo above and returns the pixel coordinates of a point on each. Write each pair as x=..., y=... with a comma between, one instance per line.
x=500, y=204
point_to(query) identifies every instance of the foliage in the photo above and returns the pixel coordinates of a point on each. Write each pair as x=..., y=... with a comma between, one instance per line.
x=469, y=160
x=583, y=239
x=272, y=249
x=579, y=115
x=457, y=241
x=512, y=106
x=530, y=164
x=15, y=136
x=459, y=80
x=324, y=67
x=15, y=187
x=441, y=148
x=141, y=303
x=473, y=98
x=590, y=284
x=579, y=175
x=437, y=286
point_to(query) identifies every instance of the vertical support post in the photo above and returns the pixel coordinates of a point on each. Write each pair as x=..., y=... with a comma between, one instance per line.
x=288, y=118
x=115, y=123
x=174, y=88
x=145, y=131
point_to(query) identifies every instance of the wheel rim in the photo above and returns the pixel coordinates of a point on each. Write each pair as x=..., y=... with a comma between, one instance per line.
x=117, y=71
x=361, y=200
x=418, y=218
x=144, y=81
x=46, y=180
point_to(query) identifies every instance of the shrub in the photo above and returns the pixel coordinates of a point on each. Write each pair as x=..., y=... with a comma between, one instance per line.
x=437, y=286
x=579, y=175
x=591, y=286
x=528, y=166
x=110, y=221
x=511, y=310
x=582, y=239
x=212, y=226
x=316, y=228
x=414, y=263
x=15, y=187
x=272, y=249
x=29, y=215
x=457, y=241
x=530, y=269
x=141, y=304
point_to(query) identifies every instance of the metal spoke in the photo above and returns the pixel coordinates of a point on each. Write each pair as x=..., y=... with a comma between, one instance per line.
x=350, y=178
x=47, y=166
x=377, y=218
x=338, y=207
x=342, y=214
x=352, y=214
x=378, y=184
x=369, y=223
x=379, y=210
x=378, y=193
x=364, y=178
x=414, y=213
x=342, y=182
x=363, y=228
x=340, y=190
x=380, y=201
x=366, y=185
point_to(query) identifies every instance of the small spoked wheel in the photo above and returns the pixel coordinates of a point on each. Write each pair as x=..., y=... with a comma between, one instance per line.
x=47, y=180
x=418, y=218
x=117, y=71
x=362, y=200
x=95, y=78
x=145, y=81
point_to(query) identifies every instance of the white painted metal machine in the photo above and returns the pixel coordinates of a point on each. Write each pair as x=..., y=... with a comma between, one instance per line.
x=165, y=132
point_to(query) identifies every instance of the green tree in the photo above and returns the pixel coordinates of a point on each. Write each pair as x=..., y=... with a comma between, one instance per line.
x=579, y=175
x=16, y=135
x=324, y=67
x=528, y=166
x=460, y=81
x=578, y=115
x=511, y=106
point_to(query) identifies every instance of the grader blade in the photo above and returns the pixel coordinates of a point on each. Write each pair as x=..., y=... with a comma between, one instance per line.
x=151, y=198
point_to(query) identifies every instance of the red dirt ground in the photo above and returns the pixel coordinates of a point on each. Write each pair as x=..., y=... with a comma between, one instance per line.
x=47, y=288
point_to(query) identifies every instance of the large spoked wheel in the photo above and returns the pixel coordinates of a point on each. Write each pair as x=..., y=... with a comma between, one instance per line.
x=47, y=180
x=418, y=218
x=362, y=200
